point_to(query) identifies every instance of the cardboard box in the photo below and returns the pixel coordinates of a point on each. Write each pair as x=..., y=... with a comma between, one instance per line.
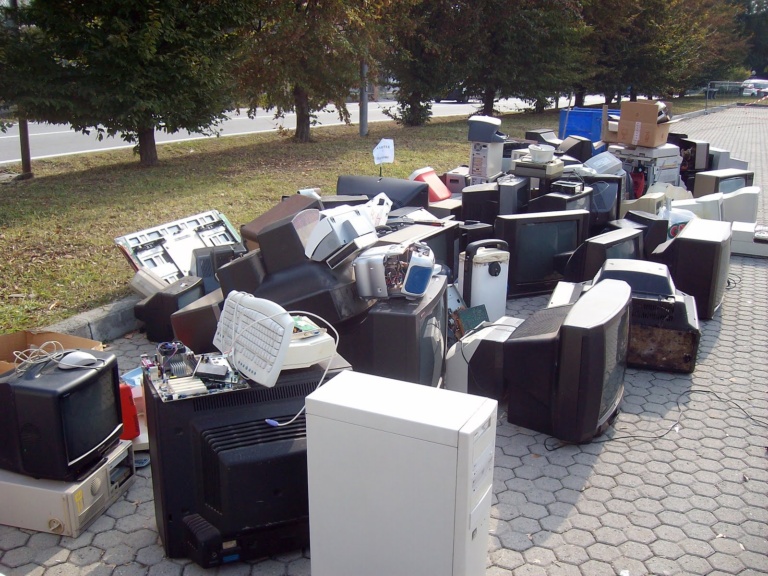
x=638, y=125
x=20, y=341
x=609, y=133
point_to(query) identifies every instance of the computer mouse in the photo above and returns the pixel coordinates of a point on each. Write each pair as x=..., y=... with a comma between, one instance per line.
x=77, y=359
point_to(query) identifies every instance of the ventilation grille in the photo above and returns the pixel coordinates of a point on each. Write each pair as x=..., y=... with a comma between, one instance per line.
x=254, y=396
x=246, y=435
x=652, y=311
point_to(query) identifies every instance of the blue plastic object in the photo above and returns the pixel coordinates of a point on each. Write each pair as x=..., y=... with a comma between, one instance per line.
x=587, y=122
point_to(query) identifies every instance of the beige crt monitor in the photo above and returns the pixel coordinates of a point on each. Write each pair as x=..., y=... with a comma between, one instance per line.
x=651, y=202
x=66, y=508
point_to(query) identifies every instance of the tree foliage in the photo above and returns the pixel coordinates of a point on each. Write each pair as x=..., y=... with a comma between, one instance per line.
x=303, y=55
x=122, y=67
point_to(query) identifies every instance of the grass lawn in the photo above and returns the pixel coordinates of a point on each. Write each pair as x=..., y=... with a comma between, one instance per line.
x=57, y=230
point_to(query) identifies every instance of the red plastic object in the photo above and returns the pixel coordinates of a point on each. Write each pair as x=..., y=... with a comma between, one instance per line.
x=437, y=188
x=131, y=428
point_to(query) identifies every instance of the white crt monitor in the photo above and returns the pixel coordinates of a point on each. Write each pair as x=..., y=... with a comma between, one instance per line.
x=338, y=227
x=741, y=206
x=651, y=202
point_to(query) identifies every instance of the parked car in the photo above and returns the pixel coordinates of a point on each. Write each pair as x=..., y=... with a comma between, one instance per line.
x=753, y=87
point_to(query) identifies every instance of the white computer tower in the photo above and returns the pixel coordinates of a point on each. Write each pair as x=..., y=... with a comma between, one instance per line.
x=400, y=478
x=66, y=508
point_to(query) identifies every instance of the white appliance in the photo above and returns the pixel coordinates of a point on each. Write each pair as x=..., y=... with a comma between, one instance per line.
x=400, y=478
x=483, y=275
x=66, y=508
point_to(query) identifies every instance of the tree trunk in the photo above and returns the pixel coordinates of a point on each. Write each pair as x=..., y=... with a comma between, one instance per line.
x=489, y=99
x=147, y=147
x=301, y=102
x=581, y=95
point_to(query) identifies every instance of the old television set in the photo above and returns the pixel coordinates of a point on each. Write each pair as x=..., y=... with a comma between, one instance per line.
x=653, y=227
x=402, y=192
x=401, y=339
x=699, y=260
x=586, y=261
x=227, y=485
x=557, y=201
x=540, y=245
x=564, y=366
x=156, y=310
x=58, y=421
x=726, y=181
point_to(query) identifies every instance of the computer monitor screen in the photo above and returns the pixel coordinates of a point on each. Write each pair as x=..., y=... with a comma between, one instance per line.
x=699, y=260
x=399, y=338
x=540, y=244
x=586, y=261
x=564, y=366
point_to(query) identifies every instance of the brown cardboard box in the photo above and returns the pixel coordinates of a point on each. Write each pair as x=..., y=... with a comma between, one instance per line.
x=638, y=125
x=20, y=341
x=606, y=134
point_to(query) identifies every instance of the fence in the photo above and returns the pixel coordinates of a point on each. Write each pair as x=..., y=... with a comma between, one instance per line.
x=725, y=93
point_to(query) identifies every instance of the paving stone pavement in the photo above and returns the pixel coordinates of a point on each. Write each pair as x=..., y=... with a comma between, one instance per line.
x=679, y=485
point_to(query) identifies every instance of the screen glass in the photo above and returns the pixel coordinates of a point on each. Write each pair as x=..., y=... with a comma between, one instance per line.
x=629, y=249
x=90, y=413
x=731, y=185
x=537, y=243
x=432, y=343
x=580, y=203
x=616, y=338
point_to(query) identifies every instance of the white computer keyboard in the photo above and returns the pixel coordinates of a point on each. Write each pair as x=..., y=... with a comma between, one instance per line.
x=254, y=333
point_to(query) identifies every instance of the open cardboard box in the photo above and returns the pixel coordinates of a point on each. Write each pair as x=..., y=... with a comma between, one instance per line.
x=20, y=341
x=637, y=126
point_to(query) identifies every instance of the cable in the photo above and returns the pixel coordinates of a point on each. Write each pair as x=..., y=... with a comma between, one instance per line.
x=733, y=281
x=47, y=351
x=674, y=425
x=274, y=423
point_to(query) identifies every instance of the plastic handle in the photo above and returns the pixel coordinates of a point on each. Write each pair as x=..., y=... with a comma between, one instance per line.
x=473, y=247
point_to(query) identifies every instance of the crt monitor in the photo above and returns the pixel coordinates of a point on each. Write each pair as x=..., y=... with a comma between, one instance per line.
x=586, y=261
x=402, y=192
x=741, y=205
x=540, y=245
x=58, y=422
x=655, y=228
x=555, y=201
x=699, y=260
x=651, y=202
x=726, y=181
x=155, y=311
x=564, y=366
x=399, y=338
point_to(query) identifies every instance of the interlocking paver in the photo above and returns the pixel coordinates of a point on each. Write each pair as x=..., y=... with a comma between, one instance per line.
x=661, y=493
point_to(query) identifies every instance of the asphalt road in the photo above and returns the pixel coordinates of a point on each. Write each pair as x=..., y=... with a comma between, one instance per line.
x=50, y=140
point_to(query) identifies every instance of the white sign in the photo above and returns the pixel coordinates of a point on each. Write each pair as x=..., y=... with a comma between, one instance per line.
x=384, y=151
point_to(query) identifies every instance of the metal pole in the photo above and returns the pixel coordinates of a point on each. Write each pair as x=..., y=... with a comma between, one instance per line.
x=26, y=159
x=363, y=99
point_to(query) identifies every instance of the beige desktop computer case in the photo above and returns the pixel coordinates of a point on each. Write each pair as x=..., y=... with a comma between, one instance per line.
x=66, y=508
x=400, y=478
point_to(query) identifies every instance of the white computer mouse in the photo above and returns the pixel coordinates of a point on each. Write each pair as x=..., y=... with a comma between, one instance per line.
x=77, y=359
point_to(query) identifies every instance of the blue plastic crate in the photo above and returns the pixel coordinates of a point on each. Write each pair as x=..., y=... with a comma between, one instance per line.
x=587, y=122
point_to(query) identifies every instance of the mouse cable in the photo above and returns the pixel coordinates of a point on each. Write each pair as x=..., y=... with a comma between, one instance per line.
x=274, y=423
x=47, y=351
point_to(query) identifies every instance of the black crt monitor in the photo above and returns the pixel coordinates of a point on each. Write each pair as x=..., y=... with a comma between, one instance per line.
x=402, y=192
x=399, y=338
x=556, y=201
x=206, y=262
x=564, y=366
x=59, y=423
x=655, y=228
x=156, y=310
x=699, y=260
x=480, y=202
x=540, y=245
x=625, y=243
x=579, y=147
x=228, y=486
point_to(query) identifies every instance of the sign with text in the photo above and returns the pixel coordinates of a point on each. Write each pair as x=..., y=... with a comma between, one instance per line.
x=384, y=151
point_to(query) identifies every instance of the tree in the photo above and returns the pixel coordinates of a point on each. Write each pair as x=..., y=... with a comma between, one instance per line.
x=125, y=67
x=303, y=55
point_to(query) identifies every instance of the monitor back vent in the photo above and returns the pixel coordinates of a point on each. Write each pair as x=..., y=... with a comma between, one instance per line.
x=541, y=322
x=652, y=311
x=254, y=396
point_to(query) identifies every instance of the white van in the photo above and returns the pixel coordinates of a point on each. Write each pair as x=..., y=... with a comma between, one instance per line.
x=753, y=87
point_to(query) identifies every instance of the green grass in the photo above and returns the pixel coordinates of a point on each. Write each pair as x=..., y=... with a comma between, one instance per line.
x=57, y=230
